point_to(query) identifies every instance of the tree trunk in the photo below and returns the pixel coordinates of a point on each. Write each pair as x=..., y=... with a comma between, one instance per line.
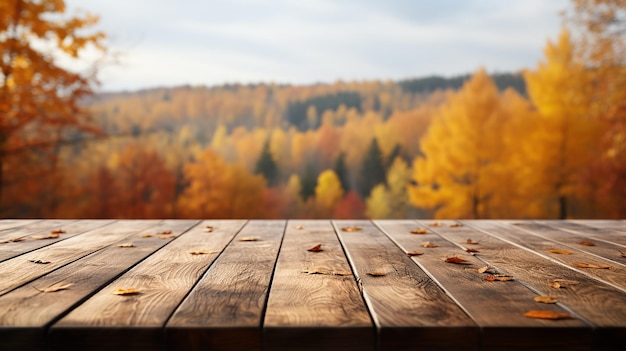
x=562, y=207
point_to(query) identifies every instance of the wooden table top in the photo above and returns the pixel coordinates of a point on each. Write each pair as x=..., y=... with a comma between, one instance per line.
x=255, y=285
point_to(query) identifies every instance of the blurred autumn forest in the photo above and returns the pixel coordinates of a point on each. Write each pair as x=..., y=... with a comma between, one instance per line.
x=549, y=142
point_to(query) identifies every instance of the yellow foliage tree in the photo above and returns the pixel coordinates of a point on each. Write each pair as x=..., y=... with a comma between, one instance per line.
x=328, y=191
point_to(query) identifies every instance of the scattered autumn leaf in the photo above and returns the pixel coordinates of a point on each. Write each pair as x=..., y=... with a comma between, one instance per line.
x=45, y=236
x=249, y=238
x=56, y=287
x=125, y=292
x=455, y=225
x=587, y=243
x=471, y=242
x=429, y=245
x=146, y=235
x=11, y=240
x=562, y=283
x=166, y=236
x=483, y=269
x=351, y=229
x=622, y=253
x=457, y=260
x=545, y=299
x=208, y=228
x=435, y=224
x=589, y=265
x=316, y=248
x=376, y=274
x=342, y=273
x=560, y=252
x=555, y=285
x=126, y=245
x=499, y=278
x=203, y=252
x=39, y=261
x=58, y=231
x=469, y=249
x=547, y=314
x=315, y=271
x=414, y=253
x=165, y=232
x=419, y=231
x=299, y=227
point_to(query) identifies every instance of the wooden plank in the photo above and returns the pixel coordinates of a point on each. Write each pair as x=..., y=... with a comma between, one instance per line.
x=411, y=311
x=615, y=275
x=15, y=223
x=497, y=307
x=30, y=243
x=593, y=301
x=21, y=270
x=578, y=241
x=36, y=227
x=112, y=322
x=315, y=311
x=24, y=325
x=224, y=311
x=613, y=232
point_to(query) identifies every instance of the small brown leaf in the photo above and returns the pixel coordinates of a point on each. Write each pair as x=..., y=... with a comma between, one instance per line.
x=562, y=283
x=11, y=240
x=351, y=229
x=560, y=252
x=342, y=273
x=429, y=245
x=469, y=249
x=39, y=261
x=547, y=314
x=483, y=269
x=249, y=238
x=56, y=287
x=45, y=236
x=499, y=278
x=456, y=260
x=587, y=243
x=126, y=245
x=471, y=242
x=377, y=274
x=146, y=235
x=165, y=232
x=208, y=228
x=58, y=231
x=203, y=252
x=555, y=285
x=414, y=253
x=166, y=236
x=316, y=248
x=419, y=231
x=125, y=292
x=299, y=227
x=315, y=271
x=545, y=299
x=589, y=265
x=455, y=225
x=435, y=224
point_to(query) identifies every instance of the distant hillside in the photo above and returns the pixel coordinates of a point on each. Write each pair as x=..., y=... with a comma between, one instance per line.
x=433, y=83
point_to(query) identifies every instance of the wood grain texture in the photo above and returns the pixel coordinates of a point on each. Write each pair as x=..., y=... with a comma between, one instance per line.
x=410, y=310
x=107, y=321
x=32, y=311
x=315, y=311
x=600, y=304
x=613, y=232
x=15, y=223
x=29, y=243
x=224, y=310
x=19, y=270
x=497, y=307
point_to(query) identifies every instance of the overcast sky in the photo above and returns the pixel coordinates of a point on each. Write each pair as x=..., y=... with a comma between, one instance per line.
x=175, y=42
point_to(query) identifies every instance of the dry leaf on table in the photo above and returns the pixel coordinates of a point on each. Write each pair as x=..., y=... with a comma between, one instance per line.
x=455, y=225
x=166, y=236
x=587, y=243
x=341, y=273
x=428, y=244
x=203, y=252
x=376, y=274
x=545, y=299
x=45, y=236
x=499, y=278
x=316, y=248
x=58, y=231
x=435, y=224
x=414, y=253
x=56, y=287
x=146, y=235
x=471, y=242
x=299, y=227
x=456, y=260
x=560, y=252
x=315, y=271
x=249, y=238
x=589, y=265
x=419, y=231
x=126, y=245
x=547, y=314
x=469, y=249
x=39, y=261
x=351, y=229
x=125, y=292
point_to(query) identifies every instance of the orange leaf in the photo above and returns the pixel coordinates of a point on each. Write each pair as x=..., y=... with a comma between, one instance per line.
x=315, y=271
x=547, y=314
x=316, y=248
x=342, y=273
x=249, y=238
x=209, y=228
x=499, y=278
x=545, y=299
x=589, y=265
x=435, y=224
x=377, y=274
x=39, y=261
x=203, y=252
x=11, y=240
x=483, y=269
x=562, y=283
x=45, y=236
x=457, y=260
x=125, y=292
x=299, y=227
x=166, y=236
x=58, y=231
x=560, y=252
x=428, y=244
x=165, y=232
x=414, y=253
x=351, y=229
x=587, y=243
x=146, y=235
x=455, y=225
x=56, y=287
x=419, y=231
x=471, y=242
x=126, y=245
x=556, y=285
x=469, y=249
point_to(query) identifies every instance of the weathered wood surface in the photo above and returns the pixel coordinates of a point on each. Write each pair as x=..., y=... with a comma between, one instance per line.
x=235, y=294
